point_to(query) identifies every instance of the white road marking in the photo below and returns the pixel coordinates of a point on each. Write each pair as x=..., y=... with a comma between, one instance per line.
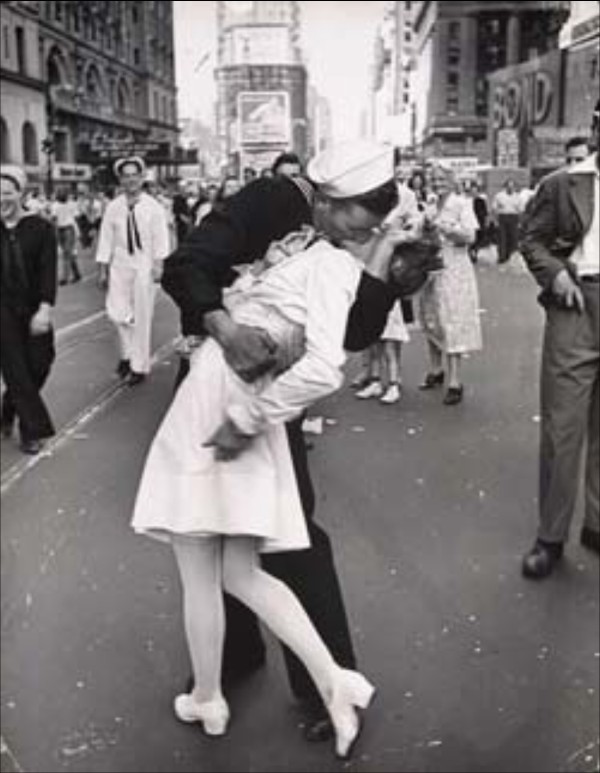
x=68, y=329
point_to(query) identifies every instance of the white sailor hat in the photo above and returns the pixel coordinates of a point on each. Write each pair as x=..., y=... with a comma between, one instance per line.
x=352, y=169
x=15, y=174
x=130, y=161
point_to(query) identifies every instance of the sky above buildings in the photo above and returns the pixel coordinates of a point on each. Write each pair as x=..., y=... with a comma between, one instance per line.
x=338, y=38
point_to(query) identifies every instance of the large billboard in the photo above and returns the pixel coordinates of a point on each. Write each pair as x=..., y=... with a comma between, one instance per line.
x=261, y=45
x=264, y=118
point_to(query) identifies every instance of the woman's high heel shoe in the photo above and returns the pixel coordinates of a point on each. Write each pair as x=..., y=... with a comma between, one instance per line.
x=351, y=691
x=214, y=715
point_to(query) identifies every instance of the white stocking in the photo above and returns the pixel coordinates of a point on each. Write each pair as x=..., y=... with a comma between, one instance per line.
x=277, y=606
x=200, y=566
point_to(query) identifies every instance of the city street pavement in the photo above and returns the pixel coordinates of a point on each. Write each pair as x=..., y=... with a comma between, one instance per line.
x=430, y=510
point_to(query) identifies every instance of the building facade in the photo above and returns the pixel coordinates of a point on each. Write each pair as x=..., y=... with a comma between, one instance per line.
x=23, y=124
x=539, y=105
x=457, y=46
x=262, y=83
x=107, y=77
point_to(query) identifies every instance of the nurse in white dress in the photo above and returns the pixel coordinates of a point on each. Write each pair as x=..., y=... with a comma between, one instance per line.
x=219, y=483
x=133, y=243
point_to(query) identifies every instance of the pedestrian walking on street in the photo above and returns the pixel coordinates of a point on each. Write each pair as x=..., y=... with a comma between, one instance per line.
x=450, y=299
x=219, y=481
x=507, y=208
x=27, y=296
x=64, y=214
x=561, y=244
x=133, y=243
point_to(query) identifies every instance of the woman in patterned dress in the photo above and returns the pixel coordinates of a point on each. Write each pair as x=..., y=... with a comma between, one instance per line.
x=450, y=300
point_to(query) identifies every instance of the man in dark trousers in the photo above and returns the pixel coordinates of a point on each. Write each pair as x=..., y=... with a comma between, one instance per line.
x=239, y=233
x=27, y=295
x=561, y=244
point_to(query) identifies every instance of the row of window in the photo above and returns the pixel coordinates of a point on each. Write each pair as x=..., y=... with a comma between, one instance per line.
x=29, y=144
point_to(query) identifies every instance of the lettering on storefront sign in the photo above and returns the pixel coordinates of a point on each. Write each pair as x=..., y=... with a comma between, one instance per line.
x=527, y=101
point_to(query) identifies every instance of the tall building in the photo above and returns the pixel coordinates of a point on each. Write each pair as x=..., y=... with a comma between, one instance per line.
x=458, y=45
x=262, y=83
x=320, y=121
x=391, y=98
x=23, y=124
x=106, y=75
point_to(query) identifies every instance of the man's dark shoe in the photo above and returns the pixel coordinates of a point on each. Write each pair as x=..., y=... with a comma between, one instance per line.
x=135, y=379
x=31, y=447
x=432, y=381
x=590, y=540
x=123, y=369
x=541, y=561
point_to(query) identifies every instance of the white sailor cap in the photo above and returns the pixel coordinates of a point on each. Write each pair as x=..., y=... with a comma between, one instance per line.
x=352, y=169
x=130, y=161
x=15, y=174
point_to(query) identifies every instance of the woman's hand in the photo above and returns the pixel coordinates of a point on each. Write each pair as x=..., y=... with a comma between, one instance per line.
x=228, y=442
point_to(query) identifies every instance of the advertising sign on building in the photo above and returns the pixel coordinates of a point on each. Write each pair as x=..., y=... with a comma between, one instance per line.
x=524, y=98
x=264, y=118
x=508, y=148
x=261, y=45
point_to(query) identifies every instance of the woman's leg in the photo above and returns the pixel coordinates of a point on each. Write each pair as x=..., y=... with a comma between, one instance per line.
x=454, y=363
x=277, y=606
x=393, y=356
x=200, y=567
x=435, y=358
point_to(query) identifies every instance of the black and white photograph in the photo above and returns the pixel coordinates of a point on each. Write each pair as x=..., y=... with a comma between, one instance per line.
x=300, y=386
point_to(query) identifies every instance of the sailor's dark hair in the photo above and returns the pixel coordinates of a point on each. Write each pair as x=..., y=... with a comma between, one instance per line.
x=380, y=201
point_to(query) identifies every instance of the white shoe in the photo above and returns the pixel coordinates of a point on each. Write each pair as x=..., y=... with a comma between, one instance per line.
x=374, y=389
x=214, y=715
x=393, y=395
x=350, y=691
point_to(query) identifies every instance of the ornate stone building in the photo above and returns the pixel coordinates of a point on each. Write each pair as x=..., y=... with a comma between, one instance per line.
x=106, y=74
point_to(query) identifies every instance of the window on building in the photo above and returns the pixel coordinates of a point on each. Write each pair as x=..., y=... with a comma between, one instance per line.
x=76, y=19
x=453, y=58
x=4, y=142
x=453, y=79
x=135, y=14
x=452, y=105
x=454, y=30
x=21, y=58
x=58, y=11
x=6, y=42
x=30, y=144
x=61, y=147
x=156, y=115
x=136, y=56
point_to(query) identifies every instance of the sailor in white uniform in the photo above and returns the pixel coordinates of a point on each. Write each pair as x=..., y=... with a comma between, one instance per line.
x=133, y=243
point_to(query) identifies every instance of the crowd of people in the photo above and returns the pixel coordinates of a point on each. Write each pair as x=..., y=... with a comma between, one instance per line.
x=276, y=280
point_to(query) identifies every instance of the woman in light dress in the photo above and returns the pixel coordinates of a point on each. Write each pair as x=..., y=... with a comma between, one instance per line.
x=219, y=483
x=450, y=306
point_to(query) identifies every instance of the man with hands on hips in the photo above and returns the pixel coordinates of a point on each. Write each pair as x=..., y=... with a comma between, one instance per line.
x=561, y=244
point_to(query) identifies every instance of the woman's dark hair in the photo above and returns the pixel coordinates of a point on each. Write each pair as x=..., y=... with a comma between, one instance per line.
x=380, y=201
